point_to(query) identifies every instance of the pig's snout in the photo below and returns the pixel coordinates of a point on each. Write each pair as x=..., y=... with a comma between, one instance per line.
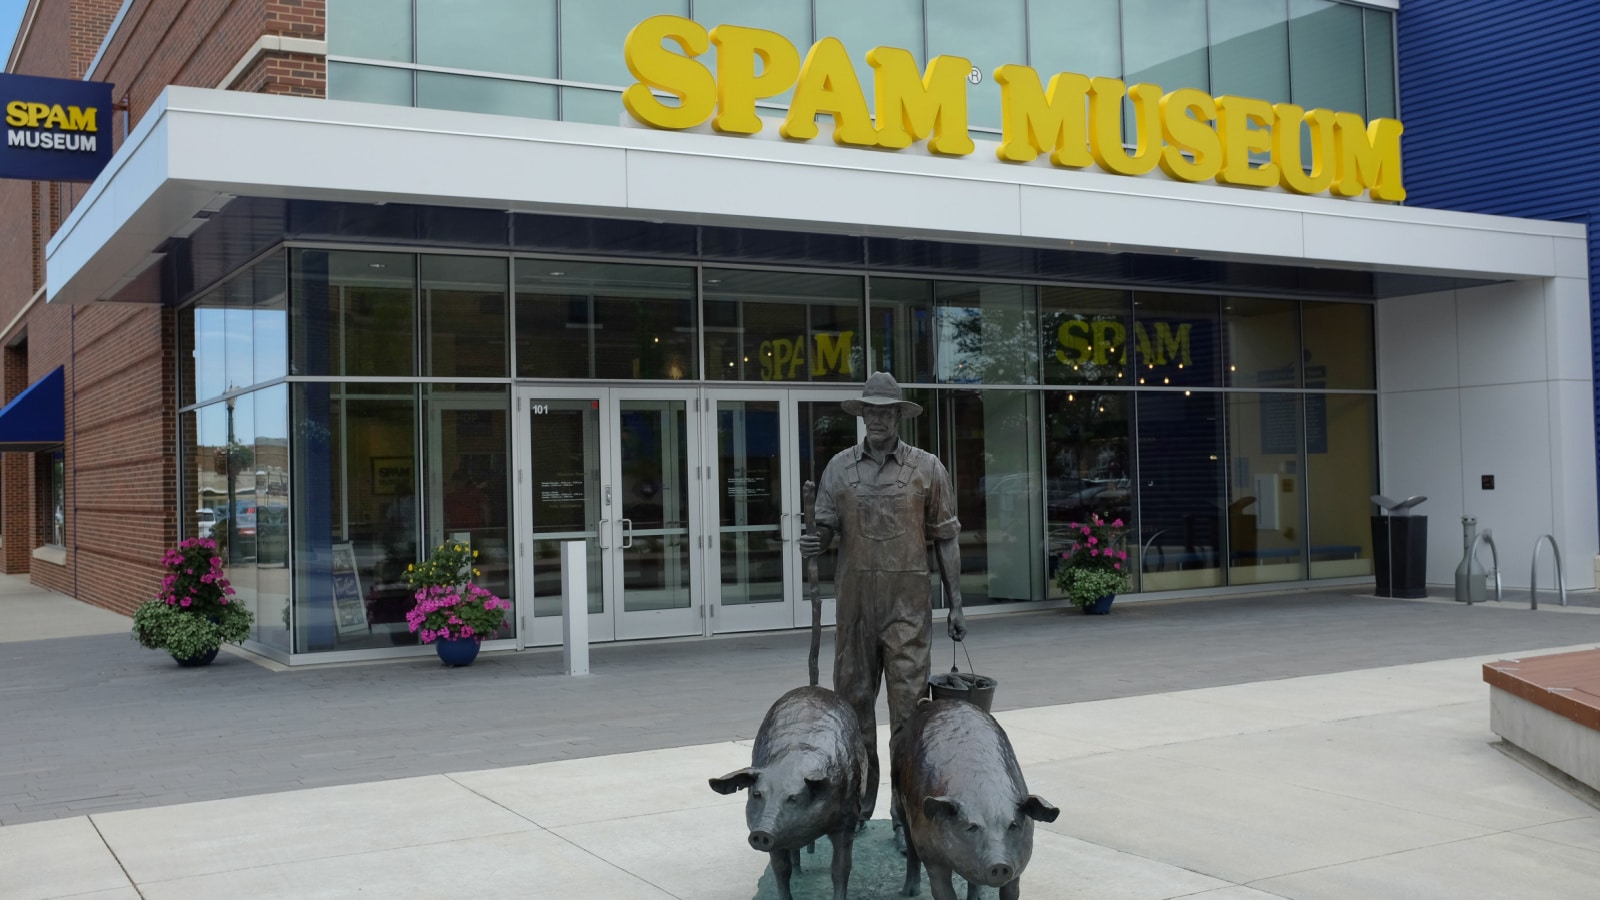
x=761, y=840
x=1000, y=873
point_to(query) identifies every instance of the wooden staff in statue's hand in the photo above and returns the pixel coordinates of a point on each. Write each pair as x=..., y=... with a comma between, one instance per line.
x=808, y=509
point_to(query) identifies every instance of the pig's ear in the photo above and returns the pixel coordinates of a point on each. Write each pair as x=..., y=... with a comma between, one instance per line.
x=1039, y=809
x=938, y=807
x=734, y=781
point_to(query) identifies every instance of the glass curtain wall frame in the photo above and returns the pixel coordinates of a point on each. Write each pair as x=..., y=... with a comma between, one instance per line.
x=563, y=58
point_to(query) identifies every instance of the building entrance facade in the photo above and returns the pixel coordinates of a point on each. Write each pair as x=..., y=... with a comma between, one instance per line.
x=687, y=501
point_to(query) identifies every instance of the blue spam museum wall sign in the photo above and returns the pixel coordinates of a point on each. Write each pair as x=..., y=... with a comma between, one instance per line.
x=56, y=129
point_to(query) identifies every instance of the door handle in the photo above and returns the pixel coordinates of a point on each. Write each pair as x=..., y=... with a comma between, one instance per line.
x=627, y=533
x=783, y=527
x=600, y=531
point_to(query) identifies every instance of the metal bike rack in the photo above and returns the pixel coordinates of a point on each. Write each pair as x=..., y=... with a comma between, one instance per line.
x=1533, y=579
x=1486, y=536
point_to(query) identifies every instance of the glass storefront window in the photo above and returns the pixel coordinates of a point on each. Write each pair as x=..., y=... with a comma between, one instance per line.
x=203, y=357
x=1087, y=471
x=467, y=478
x=1328, y=68
x=1249, y=48
x=990, y=443
x=592, y=32
x=782, y=326
x=1083, y=37
x=270, y=317
x=517, y=37
x=1085, y=335
x=955, y=332
x=497, y=96
x=1176, y=340
x=355, y=313
x=601, y=320
x=1264, y=488
x=1341, y=473
x=1261, y=342
x=356, y=523
x=1339, y=346
x=464, y=316
x=597, y=107
x=1181, y=489
x=989, y=34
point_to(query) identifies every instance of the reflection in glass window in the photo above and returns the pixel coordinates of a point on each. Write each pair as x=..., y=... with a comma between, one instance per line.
x=356, y=521
x=989, y=34
x=589, y=320
x=374, y=29
x=1329, y=68
x=1262, y=342
x=1083, y=37
x=369, y=84
x=270, y=483
x=1341, y=473
x=863, y=26
x=238, y=327
x=563, y=496
x=496, y=96
x=1339, y=346
x=1084, y=336
x=516, y=37
x=1181, y=492
x=1175, y=340
x=464, y=316
x=1087, y=468
x=592, y=33
x=1250, y=49
x=204, y=361
x=355, y=313
x=270, y=317
x=782, y=326
x=1264, y=489
x=955, y=332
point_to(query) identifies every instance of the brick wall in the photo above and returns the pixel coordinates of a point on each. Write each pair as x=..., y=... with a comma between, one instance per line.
x=121, y=437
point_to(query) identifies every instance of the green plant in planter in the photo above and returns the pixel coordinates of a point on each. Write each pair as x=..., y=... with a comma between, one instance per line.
x=448, y=605
x=1096, y=564
x=195, y=612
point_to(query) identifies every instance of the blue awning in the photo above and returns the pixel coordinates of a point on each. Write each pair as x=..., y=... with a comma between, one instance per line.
x=36, y=419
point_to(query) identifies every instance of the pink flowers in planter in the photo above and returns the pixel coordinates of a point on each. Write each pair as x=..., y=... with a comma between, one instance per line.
x=456, y=612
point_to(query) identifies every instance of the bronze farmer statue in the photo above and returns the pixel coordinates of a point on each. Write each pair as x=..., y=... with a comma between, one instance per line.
x=886, y=500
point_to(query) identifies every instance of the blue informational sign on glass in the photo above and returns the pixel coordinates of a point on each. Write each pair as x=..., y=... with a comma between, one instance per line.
x=56, y=129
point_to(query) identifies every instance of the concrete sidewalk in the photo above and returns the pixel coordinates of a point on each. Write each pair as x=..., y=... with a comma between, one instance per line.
x=1380, y=782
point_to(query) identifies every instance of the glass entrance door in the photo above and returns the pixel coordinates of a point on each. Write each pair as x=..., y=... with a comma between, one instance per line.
x=611, y=468
x=762, y=445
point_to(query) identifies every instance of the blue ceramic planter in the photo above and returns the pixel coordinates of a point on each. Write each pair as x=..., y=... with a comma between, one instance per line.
x=457, y=652
x=202, y=659
x=1099, y=607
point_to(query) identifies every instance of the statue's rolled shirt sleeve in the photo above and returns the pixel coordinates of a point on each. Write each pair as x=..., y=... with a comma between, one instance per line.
x=940, y=521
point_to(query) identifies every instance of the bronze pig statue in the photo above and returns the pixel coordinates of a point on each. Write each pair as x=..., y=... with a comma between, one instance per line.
x=806, y=776
x=961, y=795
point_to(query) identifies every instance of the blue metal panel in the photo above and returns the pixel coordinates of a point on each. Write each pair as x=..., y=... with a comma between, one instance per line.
x=1501, y=104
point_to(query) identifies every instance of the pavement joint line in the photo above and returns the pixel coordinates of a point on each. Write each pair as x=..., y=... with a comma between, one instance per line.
x=120, y=866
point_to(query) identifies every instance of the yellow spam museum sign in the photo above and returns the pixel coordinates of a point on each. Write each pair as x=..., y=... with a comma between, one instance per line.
x=1074, y=120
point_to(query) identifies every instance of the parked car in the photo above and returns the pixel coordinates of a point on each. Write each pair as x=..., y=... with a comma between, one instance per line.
x=207, y=521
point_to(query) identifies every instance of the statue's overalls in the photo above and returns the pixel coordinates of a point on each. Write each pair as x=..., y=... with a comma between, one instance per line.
x=882, y=513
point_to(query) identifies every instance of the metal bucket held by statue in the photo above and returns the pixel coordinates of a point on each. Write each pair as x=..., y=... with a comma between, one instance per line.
x=958, y=685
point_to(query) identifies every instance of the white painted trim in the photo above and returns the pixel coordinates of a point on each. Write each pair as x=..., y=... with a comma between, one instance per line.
x=51, y=554
x=271, y=43
x=24, y=31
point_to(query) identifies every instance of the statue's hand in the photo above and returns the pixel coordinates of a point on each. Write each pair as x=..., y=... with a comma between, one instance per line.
x=957, y=625
x=810, y=545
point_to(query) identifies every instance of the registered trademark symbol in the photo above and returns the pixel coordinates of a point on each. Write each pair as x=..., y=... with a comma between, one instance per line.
x=975, y=76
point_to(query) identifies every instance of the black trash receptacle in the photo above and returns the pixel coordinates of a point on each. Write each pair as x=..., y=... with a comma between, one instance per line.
x=1400, y=555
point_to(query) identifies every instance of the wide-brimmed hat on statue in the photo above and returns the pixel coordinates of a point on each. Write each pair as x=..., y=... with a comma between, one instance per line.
x=881, y=390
